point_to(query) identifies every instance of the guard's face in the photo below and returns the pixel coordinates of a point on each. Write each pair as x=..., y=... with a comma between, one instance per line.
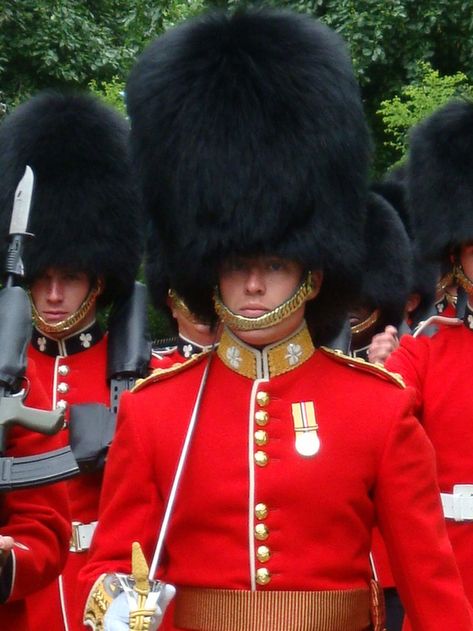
x=252, y=287
x=58, y=294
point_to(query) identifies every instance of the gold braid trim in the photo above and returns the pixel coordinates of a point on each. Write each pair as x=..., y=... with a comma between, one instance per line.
x=68, y=323
x=358, y=362
x=365, y=324
x=237, y=322
x=162, y=373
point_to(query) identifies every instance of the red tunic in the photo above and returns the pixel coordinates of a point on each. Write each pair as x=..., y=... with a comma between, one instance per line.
x=83, y=380
x=38, y=521
x=374, y=465
x=71, y=371
x=440, y=369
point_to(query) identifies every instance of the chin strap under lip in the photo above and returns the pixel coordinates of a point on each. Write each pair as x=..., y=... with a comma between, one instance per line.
x=242, y=323
x=71, y=321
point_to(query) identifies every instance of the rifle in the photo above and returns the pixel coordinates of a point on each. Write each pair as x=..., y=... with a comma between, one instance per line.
x=15, y=335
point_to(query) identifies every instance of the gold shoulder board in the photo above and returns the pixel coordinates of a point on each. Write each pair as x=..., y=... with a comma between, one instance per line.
x=159, y=374
x=357, y=362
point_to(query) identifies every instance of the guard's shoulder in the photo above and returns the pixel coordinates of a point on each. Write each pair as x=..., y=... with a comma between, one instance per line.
x=162, y=352
x=360, y=364
x=160, y=374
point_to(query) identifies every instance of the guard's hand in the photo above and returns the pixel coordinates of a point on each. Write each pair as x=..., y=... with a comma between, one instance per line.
x=382, y=345
x=117, y=617
x=6, y=546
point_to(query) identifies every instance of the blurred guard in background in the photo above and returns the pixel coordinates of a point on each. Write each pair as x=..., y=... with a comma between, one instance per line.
x=439, y=368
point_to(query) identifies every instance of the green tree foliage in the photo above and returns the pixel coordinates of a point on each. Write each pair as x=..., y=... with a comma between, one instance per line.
x=428, y=91
x=112, y=92
x=57, y=43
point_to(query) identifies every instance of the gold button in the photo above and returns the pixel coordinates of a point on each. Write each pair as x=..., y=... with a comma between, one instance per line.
x=263, y=576
x=261, y=437
x=261, y=532
x=261, y=458
x=262, y=398
x=261, y=511
x=261, y=418
x=263, y=554
x=63, y=388
x=62, y=405
x=63, y=370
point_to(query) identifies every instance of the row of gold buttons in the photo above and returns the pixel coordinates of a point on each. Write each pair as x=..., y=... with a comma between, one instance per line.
x=263, y=553
x=63, y=388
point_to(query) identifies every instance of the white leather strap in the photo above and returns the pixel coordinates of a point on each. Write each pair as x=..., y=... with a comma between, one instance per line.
x=81, y=536
x=459, y=504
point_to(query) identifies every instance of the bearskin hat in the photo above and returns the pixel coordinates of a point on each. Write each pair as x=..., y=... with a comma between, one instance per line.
x=249, y=137
x=424, y=273
x=387, y=277
x=440, y=178
x=85, y=213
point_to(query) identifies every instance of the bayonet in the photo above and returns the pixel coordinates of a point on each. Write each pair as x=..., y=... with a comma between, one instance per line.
x=19, y=226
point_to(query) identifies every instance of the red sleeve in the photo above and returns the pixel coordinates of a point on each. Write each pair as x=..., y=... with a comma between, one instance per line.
x=130, y=508
x=410, y=361
x=412, y=524
x=38, y=518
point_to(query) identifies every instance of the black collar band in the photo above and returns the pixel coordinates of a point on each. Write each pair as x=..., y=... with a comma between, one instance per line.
x=75, y=343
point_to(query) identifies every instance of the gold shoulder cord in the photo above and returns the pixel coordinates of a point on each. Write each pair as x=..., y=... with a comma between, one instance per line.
x=161, y=373
x=358, y=362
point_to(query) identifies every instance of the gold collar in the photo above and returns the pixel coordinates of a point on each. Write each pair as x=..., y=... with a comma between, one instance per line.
x=270, y=361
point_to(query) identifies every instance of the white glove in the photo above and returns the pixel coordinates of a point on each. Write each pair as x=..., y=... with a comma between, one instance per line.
x=117, y=617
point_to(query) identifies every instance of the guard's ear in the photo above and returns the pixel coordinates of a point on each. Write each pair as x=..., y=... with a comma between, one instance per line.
x=317, y=278
x=100, y=285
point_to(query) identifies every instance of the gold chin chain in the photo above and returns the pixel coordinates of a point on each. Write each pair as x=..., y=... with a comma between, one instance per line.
x=462, y=279
x=242, y=323
x=446, y=280
x=181, y=306
x=365, y=324
x=68, y=323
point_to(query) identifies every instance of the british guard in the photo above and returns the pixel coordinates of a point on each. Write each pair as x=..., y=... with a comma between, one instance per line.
x=83, y=259
x=250, y=141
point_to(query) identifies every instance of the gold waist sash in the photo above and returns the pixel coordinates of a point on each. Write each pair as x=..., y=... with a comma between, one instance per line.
x=239, y=610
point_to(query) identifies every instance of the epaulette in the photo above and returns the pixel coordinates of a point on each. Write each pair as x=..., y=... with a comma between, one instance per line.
x=159, y=374
x=373, y=369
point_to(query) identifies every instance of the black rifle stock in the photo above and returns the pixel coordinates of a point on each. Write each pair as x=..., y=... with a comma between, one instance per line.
x=92, y=425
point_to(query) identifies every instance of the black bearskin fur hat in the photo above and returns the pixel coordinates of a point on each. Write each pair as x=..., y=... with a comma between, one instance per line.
x=425, y=273
x=440, y=182
x=85, y=213
x=249, y=137
x=387, y=277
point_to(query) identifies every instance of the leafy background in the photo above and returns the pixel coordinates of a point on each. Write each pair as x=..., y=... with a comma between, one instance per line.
x=410, y=56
